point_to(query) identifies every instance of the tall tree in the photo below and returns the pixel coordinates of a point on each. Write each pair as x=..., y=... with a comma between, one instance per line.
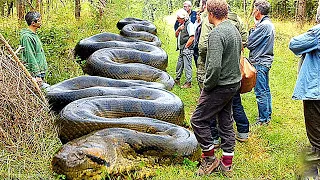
x=20, y=9
x=301, y=11
x=2, y=6
x=10, y=7
x=77, y=9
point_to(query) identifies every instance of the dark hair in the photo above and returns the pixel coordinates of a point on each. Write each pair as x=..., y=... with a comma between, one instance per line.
x=32, y=16
x=219, y=8
x=263, y=6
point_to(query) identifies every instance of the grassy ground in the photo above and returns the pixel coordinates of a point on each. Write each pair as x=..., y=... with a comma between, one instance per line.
x=273, y=152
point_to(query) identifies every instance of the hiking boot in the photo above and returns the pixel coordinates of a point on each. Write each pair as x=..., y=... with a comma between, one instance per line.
x=242, y=137
x=177, y=82
x=186, y=85
x=225, y=170
x=208, y=165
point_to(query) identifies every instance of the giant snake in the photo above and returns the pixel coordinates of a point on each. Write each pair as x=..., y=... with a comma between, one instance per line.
x=97, y=109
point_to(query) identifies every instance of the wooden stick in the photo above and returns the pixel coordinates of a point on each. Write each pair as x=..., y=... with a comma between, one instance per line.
x=15, y=57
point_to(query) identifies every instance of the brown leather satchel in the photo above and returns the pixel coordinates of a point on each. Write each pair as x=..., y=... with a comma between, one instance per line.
x=249, y=75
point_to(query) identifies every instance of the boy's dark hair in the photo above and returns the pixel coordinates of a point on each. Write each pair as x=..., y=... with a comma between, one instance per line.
x=32, y=16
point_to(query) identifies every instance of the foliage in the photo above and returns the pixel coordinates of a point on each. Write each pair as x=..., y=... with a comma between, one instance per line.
x=273, y=152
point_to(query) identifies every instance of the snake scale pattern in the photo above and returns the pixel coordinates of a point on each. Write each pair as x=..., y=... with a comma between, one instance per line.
x=122, y=108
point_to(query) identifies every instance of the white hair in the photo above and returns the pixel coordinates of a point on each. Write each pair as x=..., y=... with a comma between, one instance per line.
x=181, y=13
x=188, y=3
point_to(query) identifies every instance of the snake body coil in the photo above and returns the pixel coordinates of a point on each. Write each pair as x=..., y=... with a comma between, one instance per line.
x=106, y=122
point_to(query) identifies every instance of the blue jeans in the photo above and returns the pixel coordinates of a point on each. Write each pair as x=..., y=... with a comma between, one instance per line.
x=263, y=95
x=239, y=115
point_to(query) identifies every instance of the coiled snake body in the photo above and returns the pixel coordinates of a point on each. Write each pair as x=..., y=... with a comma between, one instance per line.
x=94, y=103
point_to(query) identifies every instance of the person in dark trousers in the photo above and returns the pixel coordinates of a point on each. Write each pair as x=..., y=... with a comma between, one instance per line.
x=260, y=44
x=187, y=6
x=222, y=81
x=307, y=87
x=197, y=26
x=33, y=56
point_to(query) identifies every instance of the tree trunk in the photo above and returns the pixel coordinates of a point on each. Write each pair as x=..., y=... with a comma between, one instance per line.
x=10, y=7
x=102, y=6
x=77, y=9
x=2, y=4
x=20, y=9
x=301, y=11
x=244, y=5
x=39, y=6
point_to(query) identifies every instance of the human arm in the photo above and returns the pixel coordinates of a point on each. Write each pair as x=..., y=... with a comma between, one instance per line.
x=206, y=27
x=304, y=43
x=28, y=57
x=191, y=32
x=213, y=61
x=176, y=25
x=257, y=36
x=189, y=42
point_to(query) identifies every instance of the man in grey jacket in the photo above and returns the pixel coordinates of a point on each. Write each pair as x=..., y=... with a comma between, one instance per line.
x=260, y=44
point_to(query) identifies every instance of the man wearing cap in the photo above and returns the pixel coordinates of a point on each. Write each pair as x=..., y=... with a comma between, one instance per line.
x=185, y=36
x=187, y=5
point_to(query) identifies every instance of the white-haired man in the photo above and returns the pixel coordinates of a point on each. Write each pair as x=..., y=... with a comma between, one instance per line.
x=185, y=36
x=187, y=5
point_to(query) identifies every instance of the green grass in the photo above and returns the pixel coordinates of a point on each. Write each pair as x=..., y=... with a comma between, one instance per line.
x=273, y=152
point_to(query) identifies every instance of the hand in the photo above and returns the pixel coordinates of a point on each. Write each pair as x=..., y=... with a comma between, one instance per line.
x=181, y=27
x=38, y=80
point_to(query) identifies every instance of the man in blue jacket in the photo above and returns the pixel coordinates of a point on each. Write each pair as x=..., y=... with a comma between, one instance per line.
x=260, y=44
x=308, y=83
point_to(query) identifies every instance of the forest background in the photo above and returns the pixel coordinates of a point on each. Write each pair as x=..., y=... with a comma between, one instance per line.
x=273, y=152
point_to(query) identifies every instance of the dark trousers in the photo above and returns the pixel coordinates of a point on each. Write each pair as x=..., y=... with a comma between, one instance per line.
x=312, y=119
x=239, y=117
x=217, y=102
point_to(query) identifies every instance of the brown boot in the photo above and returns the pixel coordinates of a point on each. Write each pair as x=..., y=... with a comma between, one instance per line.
x=208, y=165
x=186, y=85
x=225, y=170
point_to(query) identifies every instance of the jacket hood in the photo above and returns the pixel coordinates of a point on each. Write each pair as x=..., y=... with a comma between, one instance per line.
x=26, y=31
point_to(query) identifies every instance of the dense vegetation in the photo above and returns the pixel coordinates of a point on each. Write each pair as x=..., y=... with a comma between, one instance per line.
x=273, y=152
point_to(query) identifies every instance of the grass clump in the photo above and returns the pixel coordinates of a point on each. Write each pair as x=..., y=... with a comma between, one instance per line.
x=28, y=137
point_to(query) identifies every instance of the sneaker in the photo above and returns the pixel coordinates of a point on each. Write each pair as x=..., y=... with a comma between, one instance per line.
x=177, y=82
x=225, y=170
x=186, y=85
x=261, y=123
x=242, y=137
x=208, y=165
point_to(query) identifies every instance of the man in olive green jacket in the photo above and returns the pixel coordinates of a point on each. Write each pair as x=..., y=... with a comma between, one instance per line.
x=33, y=56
